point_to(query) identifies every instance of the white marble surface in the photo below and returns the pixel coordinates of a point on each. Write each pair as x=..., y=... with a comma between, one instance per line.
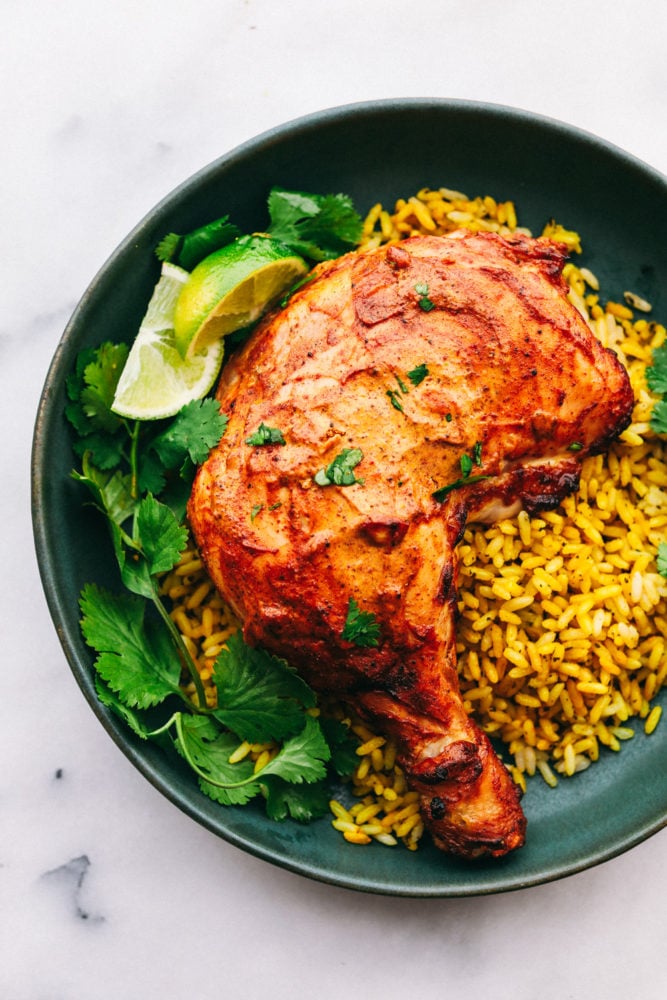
x=106, y=890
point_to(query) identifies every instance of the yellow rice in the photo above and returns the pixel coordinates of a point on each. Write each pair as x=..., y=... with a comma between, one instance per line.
x=562, y=636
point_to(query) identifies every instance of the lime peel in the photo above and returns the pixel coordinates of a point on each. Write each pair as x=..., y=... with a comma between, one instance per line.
x=156, y=380
x=232, y=288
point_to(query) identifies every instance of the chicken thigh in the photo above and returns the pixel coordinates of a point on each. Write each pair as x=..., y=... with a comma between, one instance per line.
x=414, y=387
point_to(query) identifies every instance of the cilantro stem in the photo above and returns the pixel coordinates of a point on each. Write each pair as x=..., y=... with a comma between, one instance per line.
x=133, y=431
x=184, y=653
x=163, y=729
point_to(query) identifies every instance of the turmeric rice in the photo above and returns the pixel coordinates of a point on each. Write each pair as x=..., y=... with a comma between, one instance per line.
x=562, y=634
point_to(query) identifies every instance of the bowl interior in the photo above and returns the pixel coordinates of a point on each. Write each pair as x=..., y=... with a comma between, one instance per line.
x=373, y=152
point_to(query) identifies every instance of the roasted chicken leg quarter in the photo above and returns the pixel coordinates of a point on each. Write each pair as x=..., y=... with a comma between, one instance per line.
x=415, y=387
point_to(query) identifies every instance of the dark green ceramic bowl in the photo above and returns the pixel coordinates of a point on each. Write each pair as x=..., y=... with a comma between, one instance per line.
x=375, y=151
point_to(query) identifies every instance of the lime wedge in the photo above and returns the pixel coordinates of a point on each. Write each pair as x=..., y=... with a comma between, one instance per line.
x=232, y=288
x=156, y=380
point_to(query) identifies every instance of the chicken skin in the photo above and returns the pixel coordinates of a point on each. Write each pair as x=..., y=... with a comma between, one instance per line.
x=415, y=387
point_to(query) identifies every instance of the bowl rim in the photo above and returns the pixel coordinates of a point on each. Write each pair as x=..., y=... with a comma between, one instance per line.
x=38, y=464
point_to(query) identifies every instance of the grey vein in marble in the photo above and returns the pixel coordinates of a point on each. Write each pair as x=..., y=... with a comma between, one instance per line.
x=70, y=878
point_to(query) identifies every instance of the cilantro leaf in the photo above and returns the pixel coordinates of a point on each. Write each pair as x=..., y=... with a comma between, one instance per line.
x=656, y=373
x=265, y=435
x=127, y=715
x=320, y=227
x=302, y=803
x=207, y=750
x=179, y=447
x=302, y=757
x=162, y=538
x=106, y=450
x=340, y=472
x=112, y=492
x=195, y=429
x=361, y=627
x=190, y=249
x=659, y=417
x=92, y=386
x=259, y=696
x=343, y=747
x=152, y=474
x=132, y=657
x=418, y=374
x=90, y=390
x=466, y=465
x=662, y=559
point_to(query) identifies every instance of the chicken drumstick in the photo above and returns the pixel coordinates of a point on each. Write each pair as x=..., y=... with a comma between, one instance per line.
x=415, y=387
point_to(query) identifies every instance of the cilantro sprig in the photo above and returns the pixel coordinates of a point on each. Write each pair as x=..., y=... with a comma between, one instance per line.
x=138, y=475
x=320, y=227
x=187, y=251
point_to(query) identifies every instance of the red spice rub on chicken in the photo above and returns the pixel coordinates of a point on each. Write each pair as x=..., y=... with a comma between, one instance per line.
x=471, y=386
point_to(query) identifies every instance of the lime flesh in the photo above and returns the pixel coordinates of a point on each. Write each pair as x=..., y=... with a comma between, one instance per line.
x=157, y=381
x=231, y=289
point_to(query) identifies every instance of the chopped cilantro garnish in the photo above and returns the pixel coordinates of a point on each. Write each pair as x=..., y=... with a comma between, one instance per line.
x=361, y=627
x=257, y=508
x=467, y=461
x=449, y=417
x=265, y=435
x=440, y=494
x=575, y=446
x=466, y=465
x=424, y=302
x=340, y=472
x=401, y=385
x=418, y=374
x=395, y=400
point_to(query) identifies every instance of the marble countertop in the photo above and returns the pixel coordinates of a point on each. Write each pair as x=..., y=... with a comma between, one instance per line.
x=106, y=889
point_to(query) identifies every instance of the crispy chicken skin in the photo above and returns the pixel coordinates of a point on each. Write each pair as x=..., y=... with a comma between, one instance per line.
x=515, y=380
